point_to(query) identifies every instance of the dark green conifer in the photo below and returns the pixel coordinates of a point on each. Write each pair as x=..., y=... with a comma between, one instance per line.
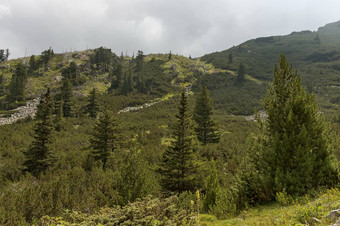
x=105, y=138
x=127, y=86
x=117, y=75
x=139, y=61
x=39, y=156
x=17, y=84
x=71, y=73
x=140, y=84
x=205, y=127
x=179, y=166
x=294, y=152
x=93, y=106
x=241, y=72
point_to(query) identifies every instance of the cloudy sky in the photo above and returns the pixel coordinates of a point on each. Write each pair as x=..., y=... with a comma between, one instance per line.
x=194, y=27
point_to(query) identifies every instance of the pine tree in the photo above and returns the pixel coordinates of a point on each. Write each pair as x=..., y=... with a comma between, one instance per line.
x=116, y=80
x=205, y=127
x=140, y=84
x=293, y=153
x=93, y=106
x=71, y=73
x=39, y=156
x=105, y=138
x=43, y=104
x=17, y=84
x=139, y=61
x=241, y=72
x=67, y=95
x=127, y=86
x=179, y=166
x=213, y=188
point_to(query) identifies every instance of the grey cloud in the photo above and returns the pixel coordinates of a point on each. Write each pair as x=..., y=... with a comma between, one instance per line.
x=185, y=27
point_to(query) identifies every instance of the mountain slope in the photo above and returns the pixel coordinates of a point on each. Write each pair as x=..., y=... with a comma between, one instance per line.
x=315, y=54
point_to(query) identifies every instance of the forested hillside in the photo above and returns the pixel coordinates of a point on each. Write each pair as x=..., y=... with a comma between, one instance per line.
x=164, y=139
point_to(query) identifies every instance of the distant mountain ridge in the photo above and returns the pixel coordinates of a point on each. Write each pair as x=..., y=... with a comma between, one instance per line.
x=315, y=54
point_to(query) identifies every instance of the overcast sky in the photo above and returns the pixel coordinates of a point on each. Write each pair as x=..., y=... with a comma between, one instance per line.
x=185, y=27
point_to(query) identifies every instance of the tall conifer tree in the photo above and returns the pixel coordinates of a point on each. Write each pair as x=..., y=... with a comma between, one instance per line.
x=293, y=153
x=105, y=138
x=39, y=156
x=17, y=84
x=93, y=106
x=205, y=127
x=179, y=165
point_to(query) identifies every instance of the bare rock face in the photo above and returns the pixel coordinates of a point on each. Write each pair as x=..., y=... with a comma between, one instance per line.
x=29, y=110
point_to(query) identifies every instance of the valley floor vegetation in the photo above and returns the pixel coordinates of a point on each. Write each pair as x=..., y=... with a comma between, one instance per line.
x=181, y=161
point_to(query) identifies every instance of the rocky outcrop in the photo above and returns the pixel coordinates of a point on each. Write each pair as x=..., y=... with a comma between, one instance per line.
x=262, y=114
x=29, y=110
x=146, y=105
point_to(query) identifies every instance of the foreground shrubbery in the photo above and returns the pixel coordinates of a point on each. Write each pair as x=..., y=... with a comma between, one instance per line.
x=147, y=211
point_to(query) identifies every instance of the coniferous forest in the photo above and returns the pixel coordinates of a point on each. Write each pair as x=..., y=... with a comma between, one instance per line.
x=96, y=137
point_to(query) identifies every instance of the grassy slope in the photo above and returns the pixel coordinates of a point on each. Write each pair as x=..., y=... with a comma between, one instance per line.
x=301, y=211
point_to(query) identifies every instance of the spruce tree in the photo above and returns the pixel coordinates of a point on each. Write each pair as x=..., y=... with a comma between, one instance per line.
x=179, y=166
x=104, y=138
x=140, y=83
x=93, y=106
x=139, y=61
x=67, y=96
x=241, y=72
x=116, y=80
x=39, y=156
x=294, y=152
x=205, y=127
x=71, y=73
x=127, y=86
x=17, y=84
